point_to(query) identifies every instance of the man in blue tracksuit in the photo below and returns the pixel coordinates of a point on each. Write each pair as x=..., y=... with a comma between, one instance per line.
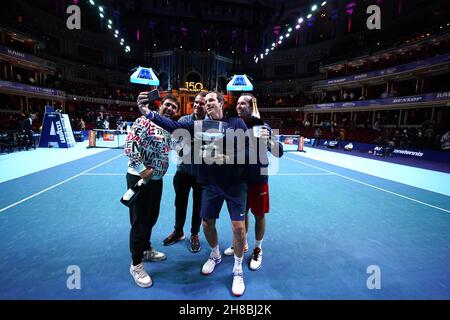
x=184, y=180
x=221, y=182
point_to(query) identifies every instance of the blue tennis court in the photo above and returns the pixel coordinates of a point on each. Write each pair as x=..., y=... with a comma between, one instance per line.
x=327, y=225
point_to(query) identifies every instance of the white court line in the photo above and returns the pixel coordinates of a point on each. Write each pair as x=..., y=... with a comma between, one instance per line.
x=370, y=185
x=104, y=174
x=302, y=174
x=59, y=183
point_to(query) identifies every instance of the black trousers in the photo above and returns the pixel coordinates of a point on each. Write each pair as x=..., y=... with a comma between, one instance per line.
x=316, y=142
x=182, y=184
x=143, y=216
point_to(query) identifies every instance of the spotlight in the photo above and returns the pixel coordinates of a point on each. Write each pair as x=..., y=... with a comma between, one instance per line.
x=100, y=8
x=314, y=8
x=323, y=3
x=92, y=2
x=300, y=20
x=101, y=15
x=287, y=35
x=309, y=16
x=281, y=37
x=297, y=26
x=290, y=29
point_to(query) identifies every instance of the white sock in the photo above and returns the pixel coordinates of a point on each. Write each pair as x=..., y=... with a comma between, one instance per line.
x=237, y=264
x=258, y=244
x=215, y=252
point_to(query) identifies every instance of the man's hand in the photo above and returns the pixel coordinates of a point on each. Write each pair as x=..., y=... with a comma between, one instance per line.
x=147, y=174
x=143, y=103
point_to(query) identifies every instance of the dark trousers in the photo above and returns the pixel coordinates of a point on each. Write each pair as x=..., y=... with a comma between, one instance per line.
x=316, y=142
x=143, y=216
x=182, y=184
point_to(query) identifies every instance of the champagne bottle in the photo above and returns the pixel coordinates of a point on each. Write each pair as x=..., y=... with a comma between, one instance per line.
x=255, y=111
x=130, y=196
x=257, y=123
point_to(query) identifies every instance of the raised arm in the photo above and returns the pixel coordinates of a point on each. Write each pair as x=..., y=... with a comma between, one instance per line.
x=165, y=123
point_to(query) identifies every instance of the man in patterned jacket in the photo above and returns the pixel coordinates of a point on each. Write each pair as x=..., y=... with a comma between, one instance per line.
x=147, y=147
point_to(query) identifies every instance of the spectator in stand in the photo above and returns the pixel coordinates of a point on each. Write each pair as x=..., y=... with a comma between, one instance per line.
x=396, y=138
x=317, y=136
x=445, y=141
x=377, y=125
x=362, y=97
x=81, y=125
x=99, y=124
x=385, y=95
x=342, y=134
x=345, y=96
x=351, y=96
x=27, y=125
x=404, y=139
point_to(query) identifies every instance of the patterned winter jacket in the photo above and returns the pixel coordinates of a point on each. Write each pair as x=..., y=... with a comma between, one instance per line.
x=148, y=145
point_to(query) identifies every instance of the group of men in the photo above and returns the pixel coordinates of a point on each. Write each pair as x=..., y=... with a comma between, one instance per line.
x=244, y=186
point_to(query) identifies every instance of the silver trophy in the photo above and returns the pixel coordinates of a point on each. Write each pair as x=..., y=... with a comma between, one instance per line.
x=211, y=133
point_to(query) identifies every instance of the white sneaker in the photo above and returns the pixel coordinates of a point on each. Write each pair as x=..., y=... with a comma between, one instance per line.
x=238, y=287
x=230, y=251
x=256, y=260
x=141, y=276
x=210, y=264
x=153, y=255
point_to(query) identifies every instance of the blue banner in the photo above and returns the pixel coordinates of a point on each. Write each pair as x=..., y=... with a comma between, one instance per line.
x=53, y=133
x=420, y=154
x=27, y=57
x=397, y=69
x=440, y=96
x=31, y=89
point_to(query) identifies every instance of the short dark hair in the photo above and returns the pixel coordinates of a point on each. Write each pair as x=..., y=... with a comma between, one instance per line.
x=218, y=95
x=173, y=98
x=201, y=94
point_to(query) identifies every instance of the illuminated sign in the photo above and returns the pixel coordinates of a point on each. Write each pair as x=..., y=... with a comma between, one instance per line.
x=192, y=86
x=240, y=83
x=144, y=76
